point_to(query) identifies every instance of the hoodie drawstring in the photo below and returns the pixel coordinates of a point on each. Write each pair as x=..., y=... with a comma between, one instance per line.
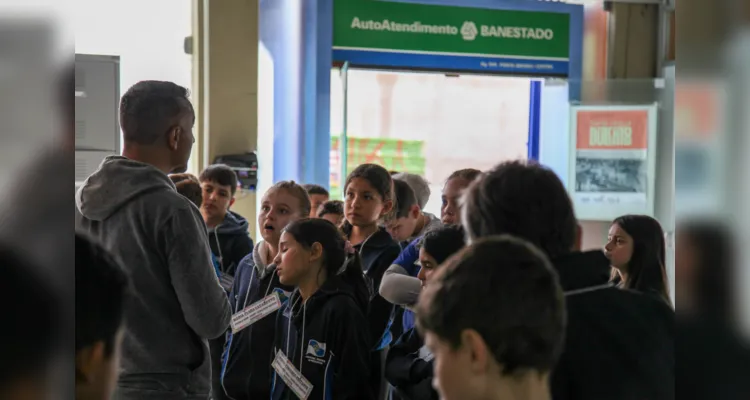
x=301, y=352
x=218, y=247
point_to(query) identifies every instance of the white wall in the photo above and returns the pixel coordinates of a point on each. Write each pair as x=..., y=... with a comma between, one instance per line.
x=148, y=36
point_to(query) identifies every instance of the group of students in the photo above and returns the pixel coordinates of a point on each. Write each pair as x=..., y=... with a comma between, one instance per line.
x=363, y=299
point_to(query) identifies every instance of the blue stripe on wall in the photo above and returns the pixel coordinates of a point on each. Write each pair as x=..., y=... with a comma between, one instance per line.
x=535, y=102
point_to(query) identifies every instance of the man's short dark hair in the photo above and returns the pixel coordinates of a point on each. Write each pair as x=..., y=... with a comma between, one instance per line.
x=523, y=199
x=101, y=290
x=315, y=189
x=32, y=318
x=221, y=174
x=507, y=291
x=405, y=198
x=149, y=108
x=331, y=207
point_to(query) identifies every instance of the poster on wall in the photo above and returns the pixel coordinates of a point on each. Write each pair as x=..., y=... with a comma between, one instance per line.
x=612, y=164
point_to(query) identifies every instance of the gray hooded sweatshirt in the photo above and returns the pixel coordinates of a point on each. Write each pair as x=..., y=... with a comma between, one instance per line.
x=177, y=303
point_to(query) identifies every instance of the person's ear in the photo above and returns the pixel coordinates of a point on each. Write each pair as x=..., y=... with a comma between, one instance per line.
x=173, y=137
x=89, y=361
x=316, y=251
x=387, y=207
x=415, y=211
x=475, y=349
x=231, y=202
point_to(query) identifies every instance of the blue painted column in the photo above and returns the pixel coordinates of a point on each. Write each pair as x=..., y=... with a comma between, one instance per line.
x=535, y=108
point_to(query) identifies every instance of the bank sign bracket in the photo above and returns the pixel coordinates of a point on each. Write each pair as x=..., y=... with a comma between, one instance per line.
x=447, y=38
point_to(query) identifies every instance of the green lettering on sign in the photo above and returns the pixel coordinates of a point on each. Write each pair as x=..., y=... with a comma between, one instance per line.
x=448, y=30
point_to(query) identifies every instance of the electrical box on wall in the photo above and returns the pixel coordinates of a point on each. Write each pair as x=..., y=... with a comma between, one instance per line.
x=97, y=97
x=244, y=165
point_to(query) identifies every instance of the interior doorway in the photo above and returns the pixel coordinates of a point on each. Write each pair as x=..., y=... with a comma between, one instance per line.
x=427, y=123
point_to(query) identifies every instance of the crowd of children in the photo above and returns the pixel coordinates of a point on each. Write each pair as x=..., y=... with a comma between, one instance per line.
x=367, y=298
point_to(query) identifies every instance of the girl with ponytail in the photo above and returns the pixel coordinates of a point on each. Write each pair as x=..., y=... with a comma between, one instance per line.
x=322, y=348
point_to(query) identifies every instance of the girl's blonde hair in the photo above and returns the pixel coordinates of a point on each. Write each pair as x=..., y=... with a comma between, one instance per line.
x=295, y=190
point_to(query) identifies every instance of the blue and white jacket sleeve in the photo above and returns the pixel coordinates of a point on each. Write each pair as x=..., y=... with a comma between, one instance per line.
x=400, y=286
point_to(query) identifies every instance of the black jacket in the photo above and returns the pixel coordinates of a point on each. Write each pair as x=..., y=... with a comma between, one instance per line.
x=619, y=344
x=323, y=340
x=408, y=368
x=378, y=253
x=246, y=371
x=230, y=242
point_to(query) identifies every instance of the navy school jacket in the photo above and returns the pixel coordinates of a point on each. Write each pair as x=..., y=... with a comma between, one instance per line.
x=246, y=369
x=378, y=253
x=619, y=344
x=326, y=340
x=408, y=368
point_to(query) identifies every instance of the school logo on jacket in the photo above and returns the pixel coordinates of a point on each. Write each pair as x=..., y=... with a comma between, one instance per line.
x=316, y=352
x=283, y=295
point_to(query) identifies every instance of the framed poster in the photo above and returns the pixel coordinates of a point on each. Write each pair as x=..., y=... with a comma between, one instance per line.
x=612, y=161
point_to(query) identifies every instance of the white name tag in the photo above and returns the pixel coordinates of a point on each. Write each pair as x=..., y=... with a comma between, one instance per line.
x=255, y=312
x=291, y=376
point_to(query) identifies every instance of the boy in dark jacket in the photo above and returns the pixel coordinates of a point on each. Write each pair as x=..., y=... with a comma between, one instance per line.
x=227, y=231
x=228, y=239
x=618, y=344
x=506, y=350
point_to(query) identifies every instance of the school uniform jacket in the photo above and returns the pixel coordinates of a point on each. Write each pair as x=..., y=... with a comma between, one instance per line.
x=327, y=340
x=246, y=371
x=619, y=344
x=408, y=368
x=378, y=253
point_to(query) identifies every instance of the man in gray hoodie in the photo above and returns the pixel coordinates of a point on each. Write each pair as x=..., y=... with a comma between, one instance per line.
x=131, y=206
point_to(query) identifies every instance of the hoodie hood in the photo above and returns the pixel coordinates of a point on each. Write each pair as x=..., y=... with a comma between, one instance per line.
x=333, y=287
x=379, y=240
x=582, y=270
x=260, y=254
x=118, y=181
x=233, y=224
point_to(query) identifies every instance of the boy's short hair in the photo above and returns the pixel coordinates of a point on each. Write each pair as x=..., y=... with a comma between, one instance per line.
x=467, y=174
x=191, y=190
x=331, y=207
x=443, y=242
x=313, y=189
x=221, y=174
x=177, y=178
x=101, y=290
x=524, y=326
x=524, y=199
x=32, y=318
x=405, y=198
x=418, y=184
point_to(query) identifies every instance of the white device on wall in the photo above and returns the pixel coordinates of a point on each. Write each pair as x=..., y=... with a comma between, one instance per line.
x=97, y=97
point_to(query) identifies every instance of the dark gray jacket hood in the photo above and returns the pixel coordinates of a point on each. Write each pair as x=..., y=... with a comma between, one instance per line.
x=233, y=224
x=118, y=181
